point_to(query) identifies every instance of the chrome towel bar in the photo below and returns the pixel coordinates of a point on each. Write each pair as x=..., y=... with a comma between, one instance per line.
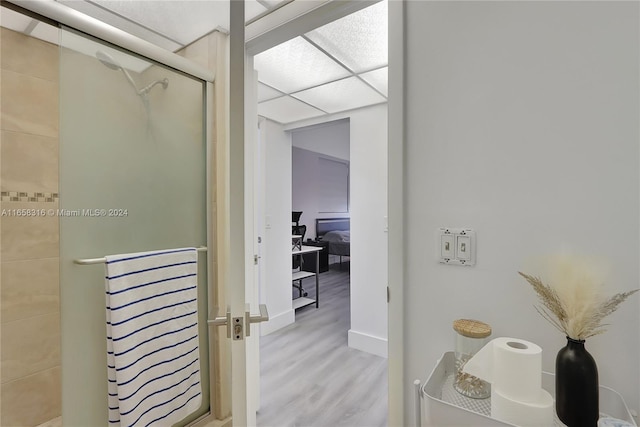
x=89, y=261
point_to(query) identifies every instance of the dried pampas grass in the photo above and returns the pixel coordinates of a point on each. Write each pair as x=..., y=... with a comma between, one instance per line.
x=574, y=302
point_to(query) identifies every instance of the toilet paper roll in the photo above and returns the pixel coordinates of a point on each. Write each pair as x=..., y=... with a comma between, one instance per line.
x=538, y=413
x=512, y=366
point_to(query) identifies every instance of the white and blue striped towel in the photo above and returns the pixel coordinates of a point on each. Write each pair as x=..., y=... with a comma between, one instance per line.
x=152, y=337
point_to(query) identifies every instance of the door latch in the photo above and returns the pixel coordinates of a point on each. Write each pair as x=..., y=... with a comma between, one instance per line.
x=236, y=325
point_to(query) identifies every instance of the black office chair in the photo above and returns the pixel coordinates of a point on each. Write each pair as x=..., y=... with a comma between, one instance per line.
x=295, y=217
x=298, y=230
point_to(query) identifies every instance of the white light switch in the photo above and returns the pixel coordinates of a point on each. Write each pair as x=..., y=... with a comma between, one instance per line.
x=456, y=246
x=447, y=246
x=463, y=248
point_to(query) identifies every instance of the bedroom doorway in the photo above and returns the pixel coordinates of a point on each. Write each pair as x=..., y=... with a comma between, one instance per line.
x=288, y=344
x=320, y=189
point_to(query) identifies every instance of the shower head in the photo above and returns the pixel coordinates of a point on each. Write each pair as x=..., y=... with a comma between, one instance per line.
x=107, y=60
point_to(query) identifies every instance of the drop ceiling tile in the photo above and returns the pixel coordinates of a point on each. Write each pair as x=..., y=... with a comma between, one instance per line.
x=179, y=20
x=358, y=40
x=265, y=92
x=342, y=95
x=287, y=110
x=296, y=65
x=378, y=79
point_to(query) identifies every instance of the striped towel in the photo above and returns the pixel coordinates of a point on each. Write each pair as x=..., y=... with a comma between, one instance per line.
x=152, y=337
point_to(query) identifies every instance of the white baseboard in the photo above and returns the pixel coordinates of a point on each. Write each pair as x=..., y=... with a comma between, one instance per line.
x=277, y=322
x=368, y=343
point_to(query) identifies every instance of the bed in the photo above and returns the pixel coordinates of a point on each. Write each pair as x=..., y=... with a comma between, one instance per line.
x=336, y=232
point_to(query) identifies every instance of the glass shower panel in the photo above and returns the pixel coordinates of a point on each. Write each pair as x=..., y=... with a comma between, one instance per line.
x=132, y=179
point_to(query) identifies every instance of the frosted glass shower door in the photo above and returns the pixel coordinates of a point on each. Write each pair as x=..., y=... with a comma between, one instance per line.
x=132, y=179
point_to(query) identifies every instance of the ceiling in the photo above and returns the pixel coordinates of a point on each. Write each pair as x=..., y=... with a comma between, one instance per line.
x=334, y=68
x=337, y=67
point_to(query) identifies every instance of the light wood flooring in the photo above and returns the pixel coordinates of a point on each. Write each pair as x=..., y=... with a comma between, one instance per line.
x=309, y=377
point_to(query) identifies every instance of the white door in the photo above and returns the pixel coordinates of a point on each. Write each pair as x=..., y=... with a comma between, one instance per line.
x=252, y=208
x=241, y=286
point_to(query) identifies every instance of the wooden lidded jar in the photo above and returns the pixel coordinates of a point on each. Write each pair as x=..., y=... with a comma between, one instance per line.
x=471, y=336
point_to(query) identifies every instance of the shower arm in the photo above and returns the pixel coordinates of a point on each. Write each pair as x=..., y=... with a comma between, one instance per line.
x=130, y=80
x=145, y=90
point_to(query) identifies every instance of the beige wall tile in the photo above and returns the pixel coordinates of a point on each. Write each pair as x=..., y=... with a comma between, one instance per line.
x=32, y=400
x=29, y=104
x=28, y=55
x=29, y=288
x=29, y=346
x=56, y=422
x=28, y=163
x=24, y=238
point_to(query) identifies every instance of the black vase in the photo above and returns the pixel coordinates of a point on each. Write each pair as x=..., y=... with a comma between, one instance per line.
x=576, y=386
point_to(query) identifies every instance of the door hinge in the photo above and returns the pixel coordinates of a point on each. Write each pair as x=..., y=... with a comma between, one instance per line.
x=388, y=294
x=255, y=260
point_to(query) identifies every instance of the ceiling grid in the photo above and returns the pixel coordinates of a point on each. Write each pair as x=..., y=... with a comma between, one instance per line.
x=340, y=66
x=357, y=44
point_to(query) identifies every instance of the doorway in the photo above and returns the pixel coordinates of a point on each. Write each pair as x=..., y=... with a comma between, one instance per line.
x=368, y=123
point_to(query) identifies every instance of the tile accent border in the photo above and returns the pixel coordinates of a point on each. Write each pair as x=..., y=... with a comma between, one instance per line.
x=23, y=196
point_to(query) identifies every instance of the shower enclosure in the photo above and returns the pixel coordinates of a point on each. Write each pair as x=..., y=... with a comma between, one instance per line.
x=132, y=179
x=132, y=137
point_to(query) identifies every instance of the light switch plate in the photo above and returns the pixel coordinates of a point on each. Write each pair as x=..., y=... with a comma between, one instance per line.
x=456, y=246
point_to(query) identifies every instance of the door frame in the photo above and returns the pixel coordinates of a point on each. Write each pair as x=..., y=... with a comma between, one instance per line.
x=396, y=203
x=289, y=23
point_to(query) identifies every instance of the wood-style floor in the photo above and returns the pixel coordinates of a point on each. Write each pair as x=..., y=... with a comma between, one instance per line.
x=309, y=377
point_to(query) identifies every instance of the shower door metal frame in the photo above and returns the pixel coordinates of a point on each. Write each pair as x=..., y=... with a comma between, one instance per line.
x=96, y=28
x=60, y=14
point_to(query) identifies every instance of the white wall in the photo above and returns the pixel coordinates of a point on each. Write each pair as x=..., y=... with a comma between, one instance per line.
x=276, y=253
x=305, y=184
x=330, y=138
x=368, y=206
x=368, y=230
x=521, y=123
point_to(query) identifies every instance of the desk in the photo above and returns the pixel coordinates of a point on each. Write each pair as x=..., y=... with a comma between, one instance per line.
x=298, y=276
x=309, y=260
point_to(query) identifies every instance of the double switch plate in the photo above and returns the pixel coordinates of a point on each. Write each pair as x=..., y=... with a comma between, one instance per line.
x=456, y=246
